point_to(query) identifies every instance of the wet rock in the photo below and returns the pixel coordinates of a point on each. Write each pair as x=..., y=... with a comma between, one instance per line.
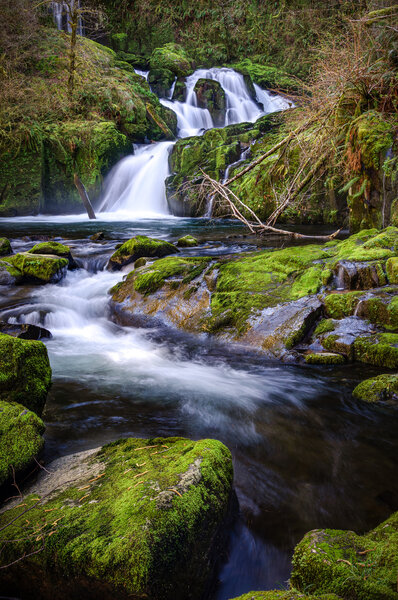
x=8, y=274
x=97, y=237
x=180, y=90
x=20, y=439
x=172, y=57
x=188, y=241
x=5, y=247
x=383, y=388
x=349, y=565
x=140, y=262
x=138, y=247
x=360, y=275
x=25, y=372
x=24, y=331
x=379, y=306
x=344, y=335
x=210, y=95
x=136, y=518
x=38, y=268
x=55, y=249
x=161, y=81
x=324, y=358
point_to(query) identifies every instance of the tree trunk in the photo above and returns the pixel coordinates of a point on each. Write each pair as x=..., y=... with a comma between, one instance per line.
x=74, y=20
x=84, y=196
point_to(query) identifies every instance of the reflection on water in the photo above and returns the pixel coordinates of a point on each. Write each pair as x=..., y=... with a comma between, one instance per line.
x=305, y=453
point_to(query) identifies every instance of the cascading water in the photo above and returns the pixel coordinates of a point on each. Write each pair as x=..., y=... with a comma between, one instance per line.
x=135, y=187
x=60, y=12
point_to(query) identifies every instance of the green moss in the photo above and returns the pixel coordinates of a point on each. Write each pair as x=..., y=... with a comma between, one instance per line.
x=325, y=326
x=267, y=76
x=392, y=269
x=369, y=244
x=341, y=305
x=53, y=248
x=352, y=566
x=188, y=241
x=138, y=247
x=380, y=350
x=150, y=279
x=383, y=388
x=144, y=526
x=20, y=438
x=324, y=358
x=172, y=57
x=25, y=373
x=38, y=268
x=5, y=247
x=285, y=595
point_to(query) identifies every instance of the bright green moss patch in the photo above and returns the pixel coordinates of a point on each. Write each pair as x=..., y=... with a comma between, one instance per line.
x=172, y=57
x=39, y=268
x=143, y=523
x=153, y=277
x=383, y=388
x=5, y=247
x=267, y=76
x=341, y=305
x=20, y=438
x=25, y=373
x=137, y=247
x=324, y=358
x=352, y=566
x=53, y=248
x=285, y=595
x=392, y=269
x=325, y=326
x=380, y=350
x=369, y=244
x=188, y=241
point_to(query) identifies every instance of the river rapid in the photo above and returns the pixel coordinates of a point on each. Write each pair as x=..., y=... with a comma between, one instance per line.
x=306, y=454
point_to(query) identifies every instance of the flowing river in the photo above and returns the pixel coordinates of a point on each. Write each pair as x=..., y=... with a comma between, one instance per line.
x=306, y=454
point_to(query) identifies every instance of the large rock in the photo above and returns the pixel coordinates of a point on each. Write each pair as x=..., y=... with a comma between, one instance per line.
x=20, y=439
x=355, y=567
x=360, y=275
x=211, y=95
x=172, y=57
x=38, y=268
x=134, y=519
x=25, y=331
x=25, y=372
x=161, y=81
x=380, y=350
x=383, y=388
x=54, y=249
x=137, y=247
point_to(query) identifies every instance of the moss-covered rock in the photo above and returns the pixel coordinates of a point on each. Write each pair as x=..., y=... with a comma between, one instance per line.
x=5, y=247
x=20, y=439
x=340, y=305
x=172, y=57
x=54, y=249
x=137, y=518
x=188, y=241
x=380, y=350
x=267, y=76
x=9, y=275
x=38, y=268
x=25, y=331
x=286, y=595
x=383, y=388
x=392, y=269
x=25, y=373
x=137, y=247
x=161, y=81
x=355, y=567
x=324, y=358
x=210, y=95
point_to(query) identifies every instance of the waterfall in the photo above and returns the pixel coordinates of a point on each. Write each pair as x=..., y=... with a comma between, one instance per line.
x=60, y=12
x=135, y=186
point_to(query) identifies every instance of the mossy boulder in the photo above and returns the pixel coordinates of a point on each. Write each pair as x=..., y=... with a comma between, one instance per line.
x=136, y=518
x=25, y=372
x=161, y=81
x=188, y=241
x=392, y=269
x=361, y=275
x=54, y=249
x=210, y=95
x=324, y=358
x=286, y=595
x=380, y=350
x=355, y=567
x=38, y=268
x=267, y=76
x=172, y=57
x=20, y=439
x=5, y=247
x=137, y=247
x=383, y=388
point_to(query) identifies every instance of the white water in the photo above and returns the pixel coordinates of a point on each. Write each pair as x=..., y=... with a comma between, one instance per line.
x=135, y=186
x=60, y=12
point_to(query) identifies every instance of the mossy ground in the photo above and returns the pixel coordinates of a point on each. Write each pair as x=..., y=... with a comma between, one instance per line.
x=351, y=566
x=144, y=525
x=25, y=373
x=20, y=439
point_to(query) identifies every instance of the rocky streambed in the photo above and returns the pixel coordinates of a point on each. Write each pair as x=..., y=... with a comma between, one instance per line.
x=255, y=350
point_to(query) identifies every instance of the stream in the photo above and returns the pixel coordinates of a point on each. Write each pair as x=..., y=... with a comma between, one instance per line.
x=306, y=454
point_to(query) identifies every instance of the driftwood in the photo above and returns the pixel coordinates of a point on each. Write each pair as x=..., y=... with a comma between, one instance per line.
x=84, y=196
x=255, y=226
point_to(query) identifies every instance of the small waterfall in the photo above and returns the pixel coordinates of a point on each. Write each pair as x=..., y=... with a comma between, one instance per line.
x=340, y=278
x=60, y=12
x=243, y=157
x=135, y=186
x=136, y=183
